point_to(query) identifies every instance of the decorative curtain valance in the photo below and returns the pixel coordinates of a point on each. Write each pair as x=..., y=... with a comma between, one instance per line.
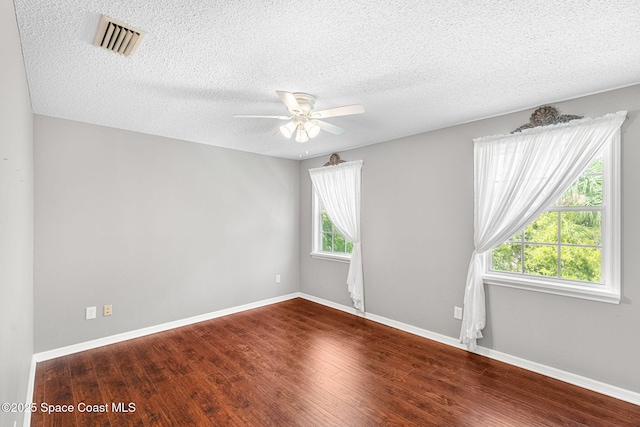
x=516, y=177
x=338, y=188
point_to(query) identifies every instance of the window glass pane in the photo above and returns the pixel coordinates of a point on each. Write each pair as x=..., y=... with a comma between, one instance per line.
x=597, y=166
x=544, y=229
x=349, y=247
x=338, y=243
x=326, y=238
x=587, y=190
x=581, y=228
x=580, y=263
x=332, y=239
x=516, y=238
x=541, y=260
x=327, y=242
x=507, y=257
x=326, y=224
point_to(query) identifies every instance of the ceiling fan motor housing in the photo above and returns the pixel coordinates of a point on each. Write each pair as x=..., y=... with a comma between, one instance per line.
x=306, y=103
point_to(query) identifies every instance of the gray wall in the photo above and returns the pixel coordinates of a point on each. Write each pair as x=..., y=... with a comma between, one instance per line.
x=417, y=239
x=16, y=218
x=161, y=229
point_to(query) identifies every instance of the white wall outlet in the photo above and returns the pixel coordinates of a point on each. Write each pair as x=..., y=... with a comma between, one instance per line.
x=107, y=310
x=90, y=312
x=277, y=278
x=457, y=313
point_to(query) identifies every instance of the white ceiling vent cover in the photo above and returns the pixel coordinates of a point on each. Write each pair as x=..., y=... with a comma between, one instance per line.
x=117, y=36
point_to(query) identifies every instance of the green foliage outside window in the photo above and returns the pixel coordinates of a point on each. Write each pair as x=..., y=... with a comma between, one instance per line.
x=564, y=242
x=332, y=240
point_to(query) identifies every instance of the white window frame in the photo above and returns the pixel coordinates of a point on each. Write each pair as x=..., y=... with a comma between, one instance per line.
x=609, y=290
x=316, y=235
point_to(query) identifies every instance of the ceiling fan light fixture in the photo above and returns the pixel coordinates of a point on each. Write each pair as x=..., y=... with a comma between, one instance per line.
x=311, y=129
x=288, y=129
x=301, y=135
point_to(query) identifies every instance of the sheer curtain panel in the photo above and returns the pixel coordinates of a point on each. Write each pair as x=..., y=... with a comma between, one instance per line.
x=516, y=177
x=338, y=188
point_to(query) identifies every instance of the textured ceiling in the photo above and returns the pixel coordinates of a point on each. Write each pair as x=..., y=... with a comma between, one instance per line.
x=414, y=65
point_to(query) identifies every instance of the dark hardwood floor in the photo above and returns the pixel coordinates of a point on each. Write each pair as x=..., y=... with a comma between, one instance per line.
x=297, y=363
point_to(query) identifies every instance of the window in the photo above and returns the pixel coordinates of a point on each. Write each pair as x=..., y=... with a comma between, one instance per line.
x=573, y=247
x=328, y=242
x=338, y=186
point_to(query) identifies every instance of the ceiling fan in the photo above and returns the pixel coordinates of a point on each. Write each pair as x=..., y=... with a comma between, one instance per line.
x=304, y=121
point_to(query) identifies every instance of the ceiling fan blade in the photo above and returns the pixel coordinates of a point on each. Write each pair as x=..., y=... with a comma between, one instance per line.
x=328, y=127
x=338, y=111
x=245, y=116
x=289, y=100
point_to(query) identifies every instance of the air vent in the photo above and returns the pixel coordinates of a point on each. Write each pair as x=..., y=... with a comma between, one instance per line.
x=117, y=36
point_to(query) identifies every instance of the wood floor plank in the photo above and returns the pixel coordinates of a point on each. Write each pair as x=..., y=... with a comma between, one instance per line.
x=296, y=372
x=87, y=393
x=141, y=390
x=221, y=360
x=59, y=394
x=491, y=402
x=284, y=404
x=114, y=388
x=298, y=363
x=274, y=369
x=216, y=408
x=250, y=405
x=157, y=360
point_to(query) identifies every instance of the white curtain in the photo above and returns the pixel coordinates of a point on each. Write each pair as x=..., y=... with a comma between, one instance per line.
x=338, y=188
x=517, y=177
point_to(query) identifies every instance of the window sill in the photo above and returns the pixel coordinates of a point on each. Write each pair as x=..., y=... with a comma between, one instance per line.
x=328, y=256
x=556, y=288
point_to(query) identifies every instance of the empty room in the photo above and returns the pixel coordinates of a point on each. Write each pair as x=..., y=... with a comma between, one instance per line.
x=319, y=213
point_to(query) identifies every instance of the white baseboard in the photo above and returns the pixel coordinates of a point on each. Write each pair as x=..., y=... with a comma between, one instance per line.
x=568, y=377
x=26, y=421
x=112, y=339
x=559, y=374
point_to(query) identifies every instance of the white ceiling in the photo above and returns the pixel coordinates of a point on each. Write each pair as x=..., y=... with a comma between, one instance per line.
x=414, y=65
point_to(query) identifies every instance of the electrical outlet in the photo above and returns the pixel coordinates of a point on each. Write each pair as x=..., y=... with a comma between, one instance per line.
x=107, y=310
x=90, y=313
x=277, y=278
x=457, y=313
